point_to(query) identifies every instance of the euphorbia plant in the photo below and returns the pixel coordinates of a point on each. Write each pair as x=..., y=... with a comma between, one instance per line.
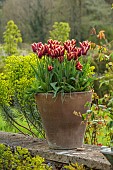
x=63, y=67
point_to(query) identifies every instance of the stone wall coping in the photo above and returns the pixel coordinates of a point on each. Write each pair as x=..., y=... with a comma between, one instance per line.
x=90, y=154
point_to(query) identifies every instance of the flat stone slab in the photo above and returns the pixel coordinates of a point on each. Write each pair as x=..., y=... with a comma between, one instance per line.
x=89, y=156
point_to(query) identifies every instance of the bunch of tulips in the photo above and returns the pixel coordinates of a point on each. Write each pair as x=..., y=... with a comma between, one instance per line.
x=61, y=66
x=55, y=50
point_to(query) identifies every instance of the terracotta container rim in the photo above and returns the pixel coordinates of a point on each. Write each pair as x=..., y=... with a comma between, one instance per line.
x=50, y=93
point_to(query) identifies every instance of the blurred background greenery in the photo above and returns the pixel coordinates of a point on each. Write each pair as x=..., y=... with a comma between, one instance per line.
x=35, y=18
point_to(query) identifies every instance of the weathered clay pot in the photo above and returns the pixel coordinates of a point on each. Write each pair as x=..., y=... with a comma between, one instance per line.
x=64, y=129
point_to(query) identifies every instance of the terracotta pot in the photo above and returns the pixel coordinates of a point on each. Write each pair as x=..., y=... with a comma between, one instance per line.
x=63, y=128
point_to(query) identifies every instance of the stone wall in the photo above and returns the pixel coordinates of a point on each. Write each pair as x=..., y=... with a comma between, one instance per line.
x=89, y=155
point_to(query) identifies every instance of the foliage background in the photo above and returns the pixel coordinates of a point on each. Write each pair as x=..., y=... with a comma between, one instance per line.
x=35, y=18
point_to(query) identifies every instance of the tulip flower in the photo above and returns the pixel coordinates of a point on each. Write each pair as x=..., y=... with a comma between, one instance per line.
x=79, y=66
x=50, y=68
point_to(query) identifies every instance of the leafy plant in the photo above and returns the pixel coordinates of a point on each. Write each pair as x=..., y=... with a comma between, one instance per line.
x=16, y=105
x=60, y=31
x=100, y=123
x=5, y=91
x=12, y=37
x=99, y=129
x=20, y=159
x=75, y=166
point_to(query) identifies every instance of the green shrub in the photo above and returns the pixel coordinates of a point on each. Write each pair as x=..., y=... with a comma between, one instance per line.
x=20, y=159
x=5, y=90
x=17, y=77
x=19, y=73
x=75, y=166
x=16, y=103
x=12, y=37
x=60, y=31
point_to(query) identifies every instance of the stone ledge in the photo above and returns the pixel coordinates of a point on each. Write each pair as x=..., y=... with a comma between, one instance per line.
x=91, y=156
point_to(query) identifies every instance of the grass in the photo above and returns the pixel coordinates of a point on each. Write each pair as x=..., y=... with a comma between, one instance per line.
x=4, y=127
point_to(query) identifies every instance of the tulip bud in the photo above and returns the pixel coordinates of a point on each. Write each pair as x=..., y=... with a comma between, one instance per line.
x=50, y=68
x=61, y=59
x=34, y=47
x=79, y=66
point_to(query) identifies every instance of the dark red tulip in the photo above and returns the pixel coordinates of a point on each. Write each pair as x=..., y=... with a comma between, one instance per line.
x=85, y=45
x=50, y=68
x=70, y=56
x=40, y=54
x=61, y=59
x=79, y=66
x=79, y=52
x=34, y=47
